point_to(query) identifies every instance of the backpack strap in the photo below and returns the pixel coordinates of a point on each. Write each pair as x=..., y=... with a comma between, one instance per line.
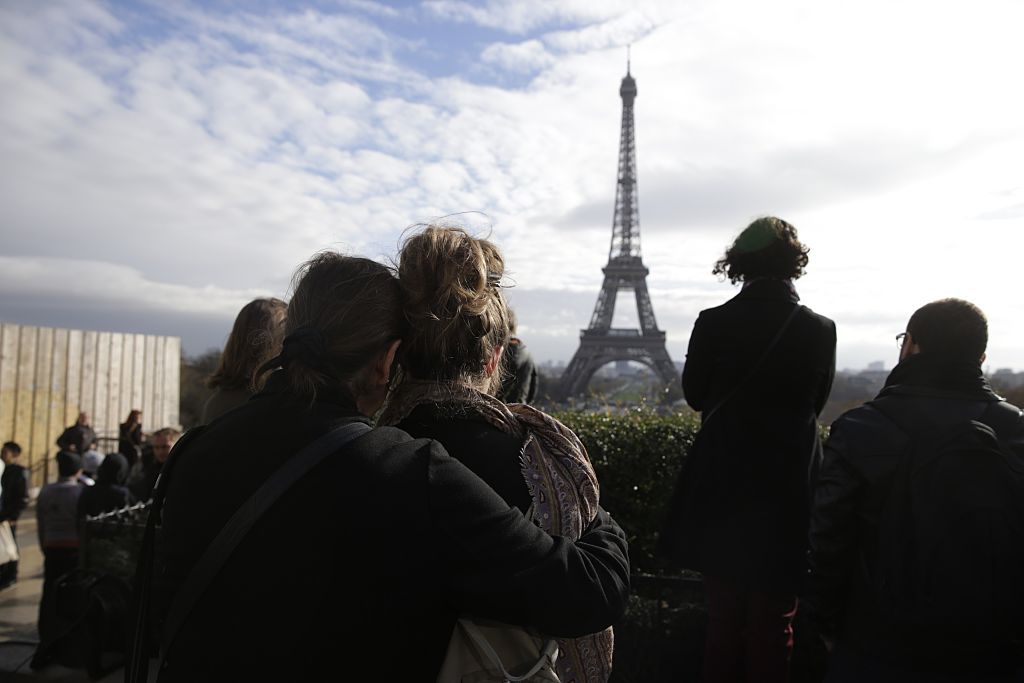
x=757, y=365
x=1001, y=416
x=236, y=529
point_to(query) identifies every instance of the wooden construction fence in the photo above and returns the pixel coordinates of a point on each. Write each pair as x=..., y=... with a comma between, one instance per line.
x=49, y=375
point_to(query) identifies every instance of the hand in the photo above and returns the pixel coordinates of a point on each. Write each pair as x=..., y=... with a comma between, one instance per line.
x=828, y=641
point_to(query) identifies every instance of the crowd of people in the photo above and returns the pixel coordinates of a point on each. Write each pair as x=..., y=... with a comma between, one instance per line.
x=89, y=483
x=372, y=493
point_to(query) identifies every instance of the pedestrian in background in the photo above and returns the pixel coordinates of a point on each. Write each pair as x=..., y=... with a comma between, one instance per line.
x=79, y=437
x=129, y=437
x=109, y=493
x=255, y=338
x=13, y=500
x=518, y=372
x=57, y=525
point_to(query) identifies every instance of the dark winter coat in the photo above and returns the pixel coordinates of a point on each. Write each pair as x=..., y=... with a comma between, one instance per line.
x=492, y=454
x=108, y=493
x=519, y=382
x=129, y=442
x=13, y=492
x=863, y=452
x=741, y=507
x=82, y=437
x=221, y=401
x=358, y=571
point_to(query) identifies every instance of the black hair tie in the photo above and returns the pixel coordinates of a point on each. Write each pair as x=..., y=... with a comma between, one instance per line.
x=307, y=345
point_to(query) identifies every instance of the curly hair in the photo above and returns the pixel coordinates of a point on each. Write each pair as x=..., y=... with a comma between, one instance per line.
x=457, y=315
x=768, y=247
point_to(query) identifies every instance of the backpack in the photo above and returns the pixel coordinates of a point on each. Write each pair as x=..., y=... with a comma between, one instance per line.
x=950, y=545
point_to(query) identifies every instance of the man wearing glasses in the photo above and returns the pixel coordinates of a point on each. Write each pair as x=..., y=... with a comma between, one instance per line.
x=917, y=526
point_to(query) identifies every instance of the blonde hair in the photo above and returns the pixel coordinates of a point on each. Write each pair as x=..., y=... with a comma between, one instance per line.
x=453, y=304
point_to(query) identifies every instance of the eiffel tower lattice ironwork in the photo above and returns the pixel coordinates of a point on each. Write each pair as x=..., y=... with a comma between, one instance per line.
x=601, y=343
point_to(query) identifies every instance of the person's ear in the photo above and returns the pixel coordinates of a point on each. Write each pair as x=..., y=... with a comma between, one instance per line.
x=492, y=362
x=983, y=357
x=382, y=368
x=910, y=347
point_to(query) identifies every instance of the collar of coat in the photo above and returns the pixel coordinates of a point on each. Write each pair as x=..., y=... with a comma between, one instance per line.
x=769, y=288
x=926, y=374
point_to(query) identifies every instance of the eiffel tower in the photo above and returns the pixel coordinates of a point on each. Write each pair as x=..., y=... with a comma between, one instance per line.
x=601, y=343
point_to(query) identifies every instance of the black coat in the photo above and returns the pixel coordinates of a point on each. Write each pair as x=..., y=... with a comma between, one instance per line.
x=492, y=454
x=864, y=450
x=741, y=506
x=13, y=492
x=519, y=382
x=82, y=437
x=358, y=571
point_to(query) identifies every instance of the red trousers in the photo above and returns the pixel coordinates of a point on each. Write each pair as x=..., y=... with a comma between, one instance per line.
x=750, y=634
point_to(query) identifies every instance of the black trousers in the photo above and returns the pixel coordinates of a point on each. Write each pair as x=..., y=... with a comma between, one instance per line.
x=56, y=563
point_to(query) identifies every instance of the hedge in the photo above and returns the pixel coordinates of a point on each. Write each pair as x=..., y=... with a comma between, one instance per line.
x=637, y=454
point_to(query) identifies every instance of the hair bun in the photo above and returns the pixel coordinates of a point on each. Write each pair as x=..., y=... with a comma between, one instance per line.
x=452, y=301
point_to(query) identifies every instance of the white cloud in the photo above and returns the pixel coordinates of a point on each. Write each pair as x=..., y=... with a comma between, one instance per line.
x=216, y=153
x=519, y=16
x=115, y=286
x=524, y=57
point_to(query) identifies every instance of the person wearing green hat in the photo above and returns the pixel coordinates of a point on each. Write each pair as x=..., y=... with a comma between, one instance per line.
x=759, y=369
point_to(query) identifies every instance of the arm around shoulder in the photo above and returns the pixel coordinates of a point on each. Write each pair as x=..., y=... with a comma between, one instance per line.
x=498, y=565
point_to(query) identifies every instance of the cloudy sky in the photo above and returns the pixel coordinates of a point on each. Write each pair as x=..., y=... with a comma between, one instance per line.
x=165, y=162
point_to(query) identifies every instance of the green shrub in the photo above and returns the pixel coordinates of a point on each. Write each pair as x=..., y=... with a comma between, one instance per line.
x=637, y=454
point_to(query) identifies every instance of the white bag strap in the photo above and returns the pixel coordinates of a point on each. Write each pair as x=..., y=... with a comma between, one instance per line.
x=548, y=653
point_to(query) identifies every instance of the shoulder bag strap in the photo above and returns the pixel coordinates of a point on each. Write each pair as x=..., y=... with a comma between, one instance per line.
x=757, y=366
x=136, y=667
x=1001, y=416
x=218, y=552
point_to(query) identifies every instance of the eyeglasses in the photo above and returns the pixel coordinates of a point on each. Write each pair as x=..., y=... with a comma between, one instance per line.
x=900, y=338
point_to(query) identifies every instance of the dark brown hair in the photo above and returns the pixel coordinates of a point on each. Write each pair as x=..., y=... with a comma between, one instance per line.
x=255, y=337
x=768, y=247
x=453, y=303
x=952, y=328
x=353, y=307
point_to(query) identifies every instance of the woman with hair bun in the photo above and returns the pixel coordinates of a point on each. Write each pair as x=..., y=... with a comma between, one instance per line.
x=357, y=570
x=458, y=326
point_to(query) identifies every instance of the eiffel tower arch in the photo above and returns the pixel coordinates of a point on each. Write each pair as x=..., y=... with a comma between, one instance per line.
x=601, y=343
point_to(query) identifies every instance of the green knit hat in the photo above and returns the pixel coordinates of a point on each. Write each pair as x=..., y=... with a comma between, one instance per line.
x=760, y=234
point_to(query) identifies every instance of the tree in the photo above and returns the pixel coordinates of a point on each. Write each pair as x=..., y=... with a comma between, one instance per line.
x=195, y=370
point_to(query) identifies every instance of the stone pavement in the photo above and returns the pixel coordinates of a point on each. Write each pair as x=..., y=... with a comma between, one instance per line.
x=19, y=606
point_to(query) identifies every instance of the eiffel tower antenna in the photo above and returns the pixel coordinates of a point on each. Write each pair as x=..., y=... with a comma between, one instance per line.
x=600, y=343
x=627, y=58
